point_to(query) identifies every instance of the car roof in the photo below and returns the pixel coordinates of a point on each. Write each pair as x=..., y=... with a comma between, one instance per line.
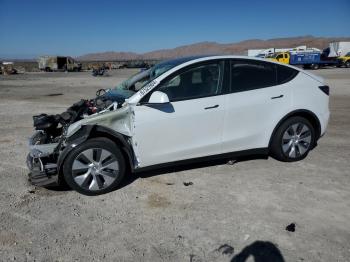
x=202, y=58
x=194, y=59
x=213, y=57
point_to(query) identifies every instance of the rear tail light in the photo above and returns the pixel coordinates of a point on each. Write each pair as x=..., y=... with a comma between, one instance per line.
x=325, y=89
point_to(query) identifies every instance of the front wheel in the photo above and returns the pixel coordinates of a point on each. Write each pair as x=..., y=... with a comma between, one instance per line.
x=293, y=140
x=95, y=167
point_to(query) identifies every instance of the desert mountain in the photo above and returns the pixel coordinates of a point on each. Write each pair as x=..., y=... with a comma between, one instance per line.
x=203, y=48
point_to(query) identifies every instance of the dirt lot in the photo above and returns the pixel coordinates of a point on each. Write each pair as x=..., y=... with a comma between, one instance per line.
x=154, y=216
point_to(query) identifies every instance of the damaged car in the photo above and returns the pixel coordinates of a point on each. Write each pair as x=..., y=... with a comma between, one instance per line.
x=186, y=109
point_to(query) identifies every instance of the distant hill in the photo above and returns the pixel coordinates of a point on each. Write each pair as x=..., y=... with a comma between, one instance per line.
x=204, y=48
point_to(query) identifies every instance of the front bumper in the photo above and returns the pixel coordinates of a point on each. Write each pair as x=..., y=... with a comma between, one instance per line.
x=42, y=163
x=41, y=174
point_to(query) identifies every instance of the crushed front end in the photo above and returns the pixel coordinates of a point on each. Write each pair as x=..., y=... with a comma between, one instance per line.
x=49, y=139
x=42, y=160
x=53, y=137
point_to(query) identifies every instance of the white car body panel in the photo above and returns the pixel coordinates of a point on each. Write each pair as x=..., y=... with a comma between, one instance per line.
x=252, y=115
x=308, y=96
x=178, y=131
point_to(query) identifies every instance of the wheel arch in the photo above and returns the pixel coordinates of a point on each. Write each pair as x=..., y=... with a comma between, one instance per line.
x=93, y=131
x=119, y=139
x=307, y=114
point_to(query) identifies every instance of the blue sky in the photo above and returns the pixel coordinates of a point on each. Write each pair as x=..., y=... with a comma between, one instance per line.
x=32, y=28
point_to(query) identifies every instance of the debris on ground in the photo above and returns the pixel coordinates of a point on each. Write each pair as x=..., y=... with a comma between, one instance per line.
x=231, y=162
x=55, y=94
x=291, y=227
x=100, y=71
x=170, y=184
x=226, y=249
x=188, y=183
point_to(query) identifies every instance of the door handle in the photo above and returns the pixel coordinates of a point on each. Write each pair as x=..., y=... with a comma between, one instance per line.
x=275, y=97
x=211, y=107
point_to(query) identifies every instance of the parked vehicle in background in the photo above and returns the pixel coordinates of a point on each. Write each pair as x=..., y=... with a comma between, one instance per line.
x=344, y=60
x=337, y=49
x=307, y=59
x=58, y=63
x=7, y=68
x=281, y=57
x=271, y=51
x=191, y=108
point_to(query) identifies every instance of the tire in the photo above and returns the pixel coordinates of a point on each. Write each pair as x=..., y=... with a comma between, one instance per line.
x=315, y=66
x=347, y=64
x=293, y=140
x=94, y=167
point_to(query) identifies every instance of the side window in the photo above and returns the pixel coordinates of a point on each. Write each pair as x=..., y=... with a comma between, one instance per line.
x=279, y=56
x=285, y=74
x=285, y=56
x=200, y=81
x=249, y=74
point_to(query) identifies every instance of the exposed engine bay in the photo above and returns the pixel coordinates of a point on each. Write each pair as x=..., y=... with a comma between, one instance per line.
x=53, y=126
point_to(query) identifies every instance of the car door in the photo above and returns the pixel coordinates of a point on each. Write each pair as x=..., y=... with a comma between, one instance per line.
x=190, y=126
x=257, y=101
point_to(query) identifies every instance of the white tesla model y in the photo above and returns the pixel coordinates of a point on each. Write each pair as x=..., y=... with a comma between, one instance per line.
x=183, y=109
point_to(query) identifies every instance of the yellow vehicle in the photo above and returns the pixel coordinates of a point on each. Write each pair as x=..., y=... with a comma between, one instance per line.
x=344, y=60
x=282, y=57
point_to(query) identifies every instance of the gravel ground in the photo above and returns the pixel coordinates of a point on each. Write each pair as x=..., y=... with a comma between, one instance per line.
x=228, y=213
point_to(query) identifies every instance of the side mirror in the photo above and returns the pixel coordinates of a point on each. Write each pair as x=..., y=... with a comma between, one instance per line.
x=158, y=97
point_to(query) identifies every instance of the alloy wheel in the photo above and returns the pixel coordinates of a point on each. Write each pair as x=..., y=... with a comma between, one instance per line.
x=296, y=140
x=95, y=169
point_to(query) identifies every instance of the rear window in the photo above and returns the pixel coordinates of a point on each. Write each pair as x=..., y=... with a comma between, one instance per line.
x=285, y=74
x=249, y=74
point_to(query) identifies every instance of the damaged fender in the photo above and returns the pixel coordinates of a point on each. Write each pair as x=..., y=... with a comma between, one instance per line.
x=89, y=131
x=120, y=120
x=45, y=160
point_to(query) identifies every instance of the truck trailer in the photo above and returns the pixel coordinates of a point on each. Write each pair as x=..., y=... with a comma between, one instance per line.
x=339, y=49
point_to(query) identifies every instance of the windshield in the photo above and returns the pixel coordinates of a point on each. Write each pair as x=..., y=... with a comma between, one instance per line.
x=348, y=54
x=140, y=79
x=133, y=84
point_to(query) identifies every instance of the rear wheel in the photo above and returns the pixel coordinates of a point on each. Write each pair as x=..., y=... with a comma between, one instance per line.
x=315, y=66
x=293, y=140
x=347, y=64
x=95, y=167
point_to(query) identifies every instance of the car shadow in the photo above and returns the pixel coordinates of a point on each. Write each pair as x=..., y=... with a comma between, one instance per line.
x=261, y=251
x=171, y=169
